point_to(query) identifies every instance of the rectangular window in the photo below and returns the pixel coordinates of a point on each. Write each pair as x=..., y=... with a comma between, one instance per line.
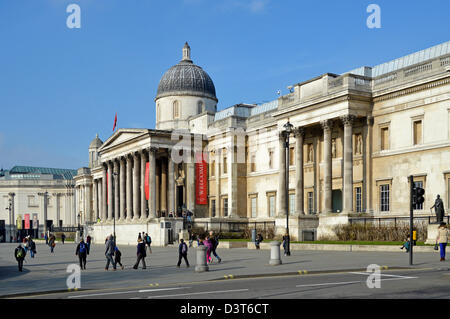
x=253, y=163
x=270, y=158
x=213, y=168
x=291, y=204
x=384, y=138
x=253, y=206
x=384, y=198
x=310, y=203
x=417, y=206
x=358, y=197
x=225, y=207
x=271, y=206
x=225, y=165
x=417, y=127
x=31, y=201
x=213, y=208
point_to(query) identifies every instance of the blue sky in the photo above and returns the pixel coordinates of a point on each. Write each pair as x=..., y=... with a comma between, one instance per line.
x=61, y=86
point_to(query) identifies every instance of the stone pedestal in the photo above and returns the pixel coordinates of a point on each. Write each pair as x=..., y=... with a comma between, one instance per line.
x=327, y=224
x=275, y=253
x=432, y=231
x=201, y=266
x=184, y=234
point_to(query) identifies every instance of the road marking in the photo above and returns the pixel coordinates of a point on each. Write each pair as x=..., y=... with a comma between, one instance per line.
x=124, y=292
x=330, y=283
x=397, y=276
x=198, y=293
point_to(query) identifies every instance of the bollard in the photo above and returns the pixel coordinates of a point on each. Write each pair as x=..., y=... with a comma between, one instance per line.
x=275, y=253
x=201, y=259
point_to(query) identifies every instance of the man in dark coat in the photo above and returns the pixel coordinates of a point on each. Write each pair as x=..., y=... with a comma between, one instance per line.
x=182, y=253
x=109, y=253
x=82, y=252
x=439, y=209
x=20, y=254
x=141, y=254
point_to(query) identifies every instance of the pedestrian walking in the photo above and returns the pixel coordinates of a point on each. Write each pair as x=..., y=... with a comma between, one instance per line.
x=191, y=239
x=140, y=254
x=118, y=257
x=82, y=252
x=442, y=239
x=139, y=237
x=214, y=243
x=182, y=253
x=109, y=253
x=88, y=243
x=258, y=240
x=31, y=246
x=51, y=242
x=285, y=244
x=63, y=238
x=207, y=242
x=19, y=254
x=46, y=239
x=148, y=242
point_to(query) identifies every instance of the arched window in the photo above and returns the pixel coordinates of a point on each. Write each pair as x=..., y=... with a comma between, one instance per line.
x=199, y=107
x=176, y=109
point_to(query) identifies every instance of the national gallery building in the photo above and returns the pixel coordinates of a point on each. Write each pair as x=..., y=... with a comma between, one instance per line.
x=355, y=139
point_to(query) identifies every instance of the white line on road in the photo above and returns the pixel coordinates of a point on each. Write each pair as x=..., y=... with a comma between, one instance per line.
x=359, y=281
x=125, y=292
x=369, y=273
x=199, y=293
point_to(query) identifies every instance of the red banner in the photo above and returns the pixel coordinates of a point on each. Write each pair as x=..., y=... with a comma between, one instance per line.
x=201, y=172
x=27, y=221
x=147, y=187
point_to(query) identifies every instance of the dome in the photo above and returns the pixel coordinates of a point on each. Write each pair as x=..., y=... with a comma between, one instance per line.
x=186, y=78
x=96, y=142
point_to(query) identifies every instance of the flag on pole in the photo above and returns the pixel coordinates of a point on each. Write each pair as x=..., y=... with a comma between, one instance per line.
x=115, y=122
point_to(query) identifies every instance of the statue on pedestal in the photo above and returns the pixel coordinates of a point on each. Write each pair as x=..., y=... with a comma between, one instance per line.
x=438, y=209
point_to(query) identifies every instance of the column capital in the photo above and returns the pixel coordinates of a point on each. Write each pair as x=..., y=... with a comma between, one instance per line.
x=348, y=119
x=299, y=131
x=327, y=125
x=152, y=149
x=369, y=120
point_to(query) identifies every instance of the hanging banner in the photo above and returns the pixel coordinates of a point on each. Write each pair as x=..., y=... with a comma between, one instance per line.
x=35, y=222
x=27, y=221
x=201, y=173
x=19, y=222
x=147, y=187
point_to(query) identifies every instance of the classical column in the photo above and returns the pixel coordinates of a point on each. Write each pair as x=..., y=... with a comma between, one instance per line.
x=116, y=189
x=171, y=176
x=152, y=182
x=190, y=184
x=136, y=194
x=163, y=197
x=218, y=202
x=129, y=208
x=103, y=201
x=232, y=179
x=347, y=120
x=328, y=177
x=110, y=190
x=122, y=189
x=142, y=186
x=158, y=186
x=281, y=193
x=95, y=194
x=369, y=168
x=299, y=134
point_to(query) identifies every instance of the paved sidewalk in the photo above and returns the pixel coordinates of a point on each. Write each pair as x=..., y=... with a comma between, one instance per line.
x=47, y=272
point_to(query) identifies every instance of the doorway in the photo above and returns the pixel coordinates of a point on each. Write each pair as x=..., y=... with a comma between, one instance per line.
x=337, y=200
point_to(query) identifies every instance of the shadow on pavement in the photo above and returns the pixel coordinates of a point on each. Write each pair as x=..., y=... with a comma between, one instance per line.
x=12, y=271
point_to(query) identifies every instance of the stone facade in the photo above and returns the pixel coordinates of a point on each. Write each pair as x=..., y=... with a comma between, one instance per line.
x=356, y=139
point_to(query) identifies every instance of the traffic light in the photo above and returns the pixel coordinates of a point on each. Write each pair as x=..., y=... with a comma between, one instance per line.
x=419, y=195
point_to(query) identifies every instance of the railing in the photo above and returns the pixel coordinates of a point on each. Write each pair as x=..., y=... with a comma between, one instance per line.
x=234, y=227
x=63, y=229
x=393, y=220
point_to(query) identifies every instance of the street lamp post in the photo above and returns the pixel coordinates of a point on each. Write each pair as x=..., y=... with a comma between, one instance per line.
x=288, y=128
x=10, y=220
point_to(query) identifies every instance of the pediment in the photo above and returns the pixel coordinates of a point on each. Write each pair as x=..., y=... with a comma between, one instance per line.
x=122, y=136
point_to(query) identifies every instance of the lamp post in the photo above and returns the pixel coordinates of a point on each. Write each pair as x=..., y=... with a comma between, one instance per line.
x=10, y=220
x=288, y=128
